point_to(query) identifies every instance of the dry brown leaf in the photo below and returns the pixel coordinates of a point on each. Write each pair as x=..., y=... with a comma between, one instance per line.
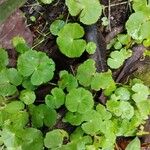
x=15, y=25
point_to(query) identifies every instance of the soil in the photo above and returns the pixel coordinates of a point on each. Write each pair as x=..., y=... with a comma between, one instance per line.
x=117, y=11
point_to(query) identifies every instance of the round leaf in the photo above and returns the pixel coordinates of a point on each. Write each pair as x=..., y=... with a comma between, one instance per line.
x=57, y=98
x=56, y=26
x=141, y=92
x=54, y=139
x=27, y=96
x=67, y=81
x=88, y=11
x=79, y=100
x=69, y=40
x=73, y=118
x=91, y=47
x=14, y=107
x=134, y=23
x=123, y=93
x=85, y=72
x=37, y=65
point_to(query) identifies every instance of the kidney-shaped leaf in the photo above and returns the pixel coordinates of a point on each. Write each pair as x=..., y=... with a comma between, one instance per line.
x=56, y=100
x=79, y=100
x=89, y=11
x=9, y=79
x=54, y=139
x=37, y=65
x=69, y=40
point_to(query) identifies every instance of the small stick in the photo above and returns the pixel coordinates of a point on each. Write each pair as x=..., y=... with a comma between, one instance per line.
x=114, y=5
x=130, y=63
x=109, y=15
x=114, y=32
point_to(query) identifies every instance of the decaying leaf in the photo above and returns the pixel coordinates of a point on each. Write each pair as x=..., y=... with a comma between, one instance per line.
x=15, y=25
x=7, y=7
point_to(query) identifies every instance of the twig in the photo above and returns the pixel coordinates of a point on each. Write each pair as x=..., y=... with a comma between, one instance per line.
x=115, y=31
x=130, y=64
x=109, y=15
x=72, y=70
x=129, y=4
x=114, y=5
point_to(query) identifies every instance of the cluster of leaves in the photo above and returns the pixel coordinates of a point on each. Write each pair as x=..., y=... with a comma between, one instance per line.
x=70, y=35
x=25, y=125
x=70, y=40
x=138, y=23
x=88, y=11
x=17, y=98
x=97, y=126
x=120, y=46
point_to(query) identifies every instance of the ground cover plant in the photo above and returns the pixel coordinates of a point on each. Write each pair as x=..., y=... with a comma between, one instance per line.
x=84, y=108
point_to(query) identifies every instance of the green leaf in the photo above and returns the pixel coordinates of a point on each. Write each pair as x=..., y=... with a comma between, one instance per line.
x=124, y=39
x=20, y=44
x=15, y=119
x=39, y=116
x=13, y=76
x=121, y=108
x=3, y=59
x=69, y=40
x=117, y=45
x=67, y=81
x=105, y=115
x=141, y=92
x=146, y=43
x=54, y=139
x=108, y=141
x=105, y=21
x=76, y=134
x=91, y=47
x=56, y=26
x=9, y=79
x=46, y=1
x=32, y=139
x=74, y=119
x=14, y=107
x=88, y=11
x=145, y=30
x=103, y=81
x=7, y=89
x=122, y=93
x=79, y=100
x=36, y=65
x=56, y=100
x=27, y=84
x=51, y=120
x=144, y=109
x=118, y=57
x=23, y=139
x=9, y=139
x=27, y=96
x=134, y=145
x=85, y=72
x=134, y=24
x=143, y=6
x=92, y=122
x=33, y=18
